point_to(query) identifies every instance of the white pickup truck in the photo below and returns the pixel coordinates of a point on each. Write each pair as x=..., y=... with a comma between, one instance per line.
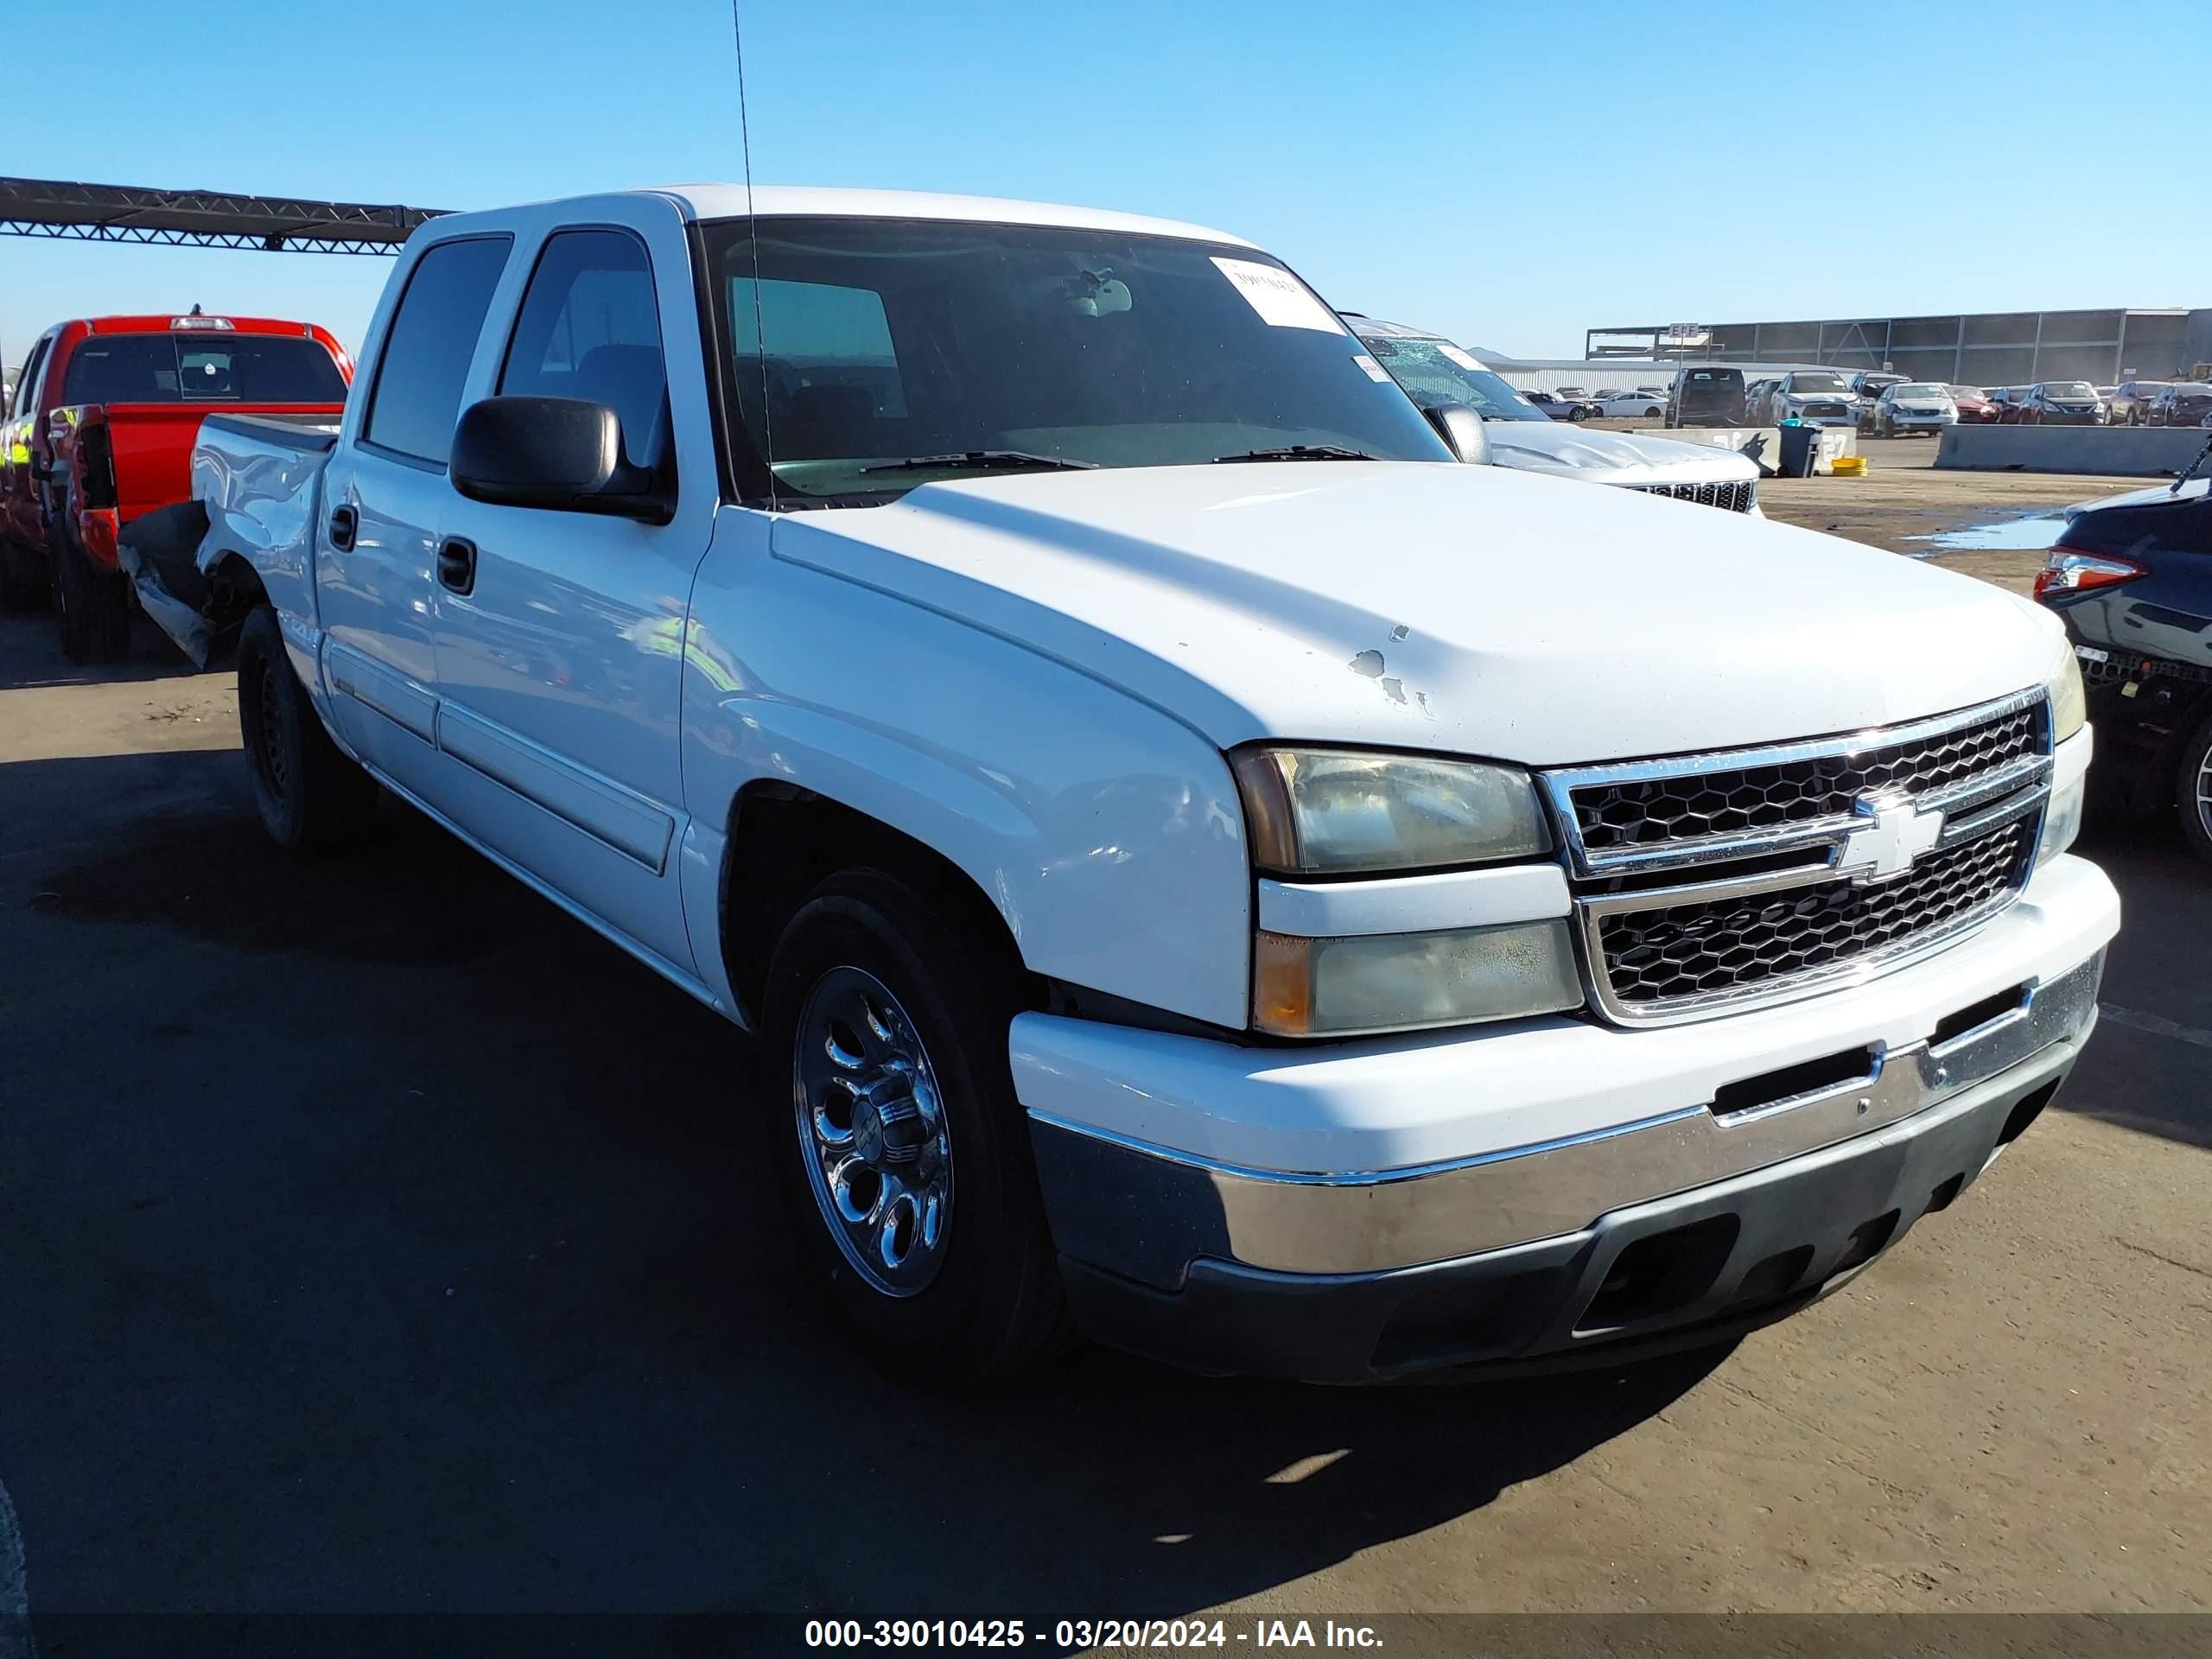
x=1204, y=869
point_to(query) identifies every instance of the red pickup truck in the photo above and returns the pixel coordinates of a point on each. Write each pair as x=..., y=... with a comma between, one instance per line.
x=100, y=432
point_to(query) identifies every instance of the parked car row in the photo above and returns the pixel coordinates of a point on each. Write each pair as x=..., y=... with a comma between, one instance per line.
x=1559, y=406
x=1204, y=865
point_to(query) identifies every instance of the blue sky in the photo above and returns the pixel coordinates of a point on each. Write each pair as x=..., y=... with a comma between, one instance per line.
x=1510, y=174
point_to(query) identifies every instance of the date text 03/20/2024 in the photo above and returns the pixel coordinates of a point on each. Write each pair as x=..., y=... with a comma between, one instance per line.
x=1085, y=1633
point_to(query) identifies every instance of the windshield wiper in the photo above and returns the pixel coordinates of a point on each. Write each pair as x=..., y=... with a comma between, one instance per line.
x=1301, y=452
x=981, y=461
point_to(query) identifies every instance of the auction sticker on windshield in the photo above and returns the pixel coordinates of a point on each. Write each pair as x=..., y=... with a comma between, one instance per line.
x=1373, y=369
x=1280, y=299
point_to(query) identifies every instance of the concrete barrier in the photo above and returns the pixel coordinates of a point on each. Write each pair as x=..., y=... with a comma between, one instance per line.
x=2120, y=451
x=1836, y=442
x=1762, y=444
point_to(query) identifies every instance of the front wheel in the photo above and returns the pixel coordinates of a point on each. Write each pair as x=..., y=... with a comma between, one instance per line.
x=903, y=1154
x=2193, y=790
x=310, y=795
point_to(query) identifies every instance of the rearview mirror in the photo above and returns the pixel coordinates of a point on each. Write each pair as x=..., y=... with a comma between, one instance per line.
x=562, y=455
x=1463, y=432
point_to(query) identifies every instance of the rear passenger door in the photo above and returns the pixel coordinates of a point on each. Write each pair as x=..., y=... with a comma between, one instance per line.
x=560, y=650
x=385, y=497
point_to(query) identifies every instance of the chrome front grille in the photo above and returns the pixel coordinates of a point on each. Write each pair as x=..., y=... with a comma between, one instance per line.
x=1719, y=947
x=1673, y=807
x=1707, y=883
x=1739, y=497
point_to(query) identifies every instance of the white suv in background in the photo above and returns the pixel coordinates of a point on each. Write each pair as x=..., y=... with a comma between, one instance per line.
x=1812, y=397
x=1436, y=372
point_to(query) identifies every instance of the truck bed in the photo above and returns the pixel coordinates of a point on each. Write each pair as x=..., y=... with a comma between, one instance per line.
x=247, y=532
x=314, y=432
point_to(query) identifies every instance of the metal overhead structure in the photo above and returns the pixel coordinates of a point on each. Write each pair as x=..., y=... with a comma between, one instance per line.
x=201, y=219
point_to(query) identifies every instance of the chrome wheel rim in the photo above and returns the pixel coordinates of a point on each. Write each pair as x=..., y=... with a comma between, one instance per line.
x=2204, y=790
x=872, y=1132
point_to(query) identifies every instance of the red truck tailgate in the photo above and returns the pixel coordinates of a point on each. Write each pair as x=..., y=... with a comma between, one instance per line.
x=152, y=447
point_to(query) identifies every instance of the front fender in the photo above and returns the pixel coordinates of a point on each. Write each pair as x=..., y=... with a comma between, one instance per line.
x=1107, y=835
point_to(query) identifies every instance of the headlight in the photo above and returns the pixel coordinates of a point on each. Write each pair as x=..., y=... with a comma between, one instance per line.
x=1403, y=982
x=2070, y=707
x=1339, y=812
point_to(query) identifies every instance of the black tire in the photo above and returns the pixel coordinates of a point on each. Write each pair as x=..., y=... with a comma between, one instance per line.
x=91, y=608
x=992, y=1305
x=23, y=583
x=311, y=796
x=2192, y=787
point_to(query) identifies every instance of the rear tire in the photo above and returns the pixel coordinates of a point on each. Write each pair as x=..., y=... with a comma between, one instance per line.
x=23, y=584
x=91, y=608
x=2193, y=790
x=311, y=796
x=877, y=992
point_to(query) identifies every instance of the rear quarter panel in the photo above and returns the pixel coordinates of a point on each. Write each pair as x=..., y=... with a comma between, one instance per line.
x=262, y=489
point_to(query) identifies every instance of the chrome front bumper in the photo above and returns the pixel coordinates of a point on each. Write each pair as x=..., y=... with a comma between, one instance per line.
x=1366, y=1223
x=1682, y=1228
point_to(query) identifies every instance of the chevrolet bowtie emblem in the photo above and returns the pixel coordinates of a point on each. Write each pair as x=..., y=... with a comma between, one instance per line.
x=1893, y=833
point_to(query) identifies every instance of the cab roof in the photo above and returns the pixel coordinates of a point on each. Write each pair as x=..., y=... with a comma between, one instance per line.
x=712, y=201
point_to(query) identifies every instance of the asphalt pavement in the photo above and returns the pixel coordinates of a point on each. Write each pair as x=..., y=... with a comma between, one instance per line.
x=375, y=1239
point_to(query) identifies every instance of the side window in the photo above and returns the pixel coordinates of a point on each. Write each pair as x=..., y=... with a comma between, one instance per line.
x=424, y=361
x=590, y=329
x=34, y=381
x=823, y=356
x=27, y=385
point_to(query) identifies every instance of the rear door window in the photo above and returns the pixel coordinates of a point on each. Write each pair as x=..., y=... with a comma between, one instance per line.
x=424, y=362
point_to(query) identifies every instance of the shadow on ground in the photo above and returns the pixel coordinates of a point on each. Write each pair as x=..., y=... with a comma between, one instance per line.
x=397, y=1243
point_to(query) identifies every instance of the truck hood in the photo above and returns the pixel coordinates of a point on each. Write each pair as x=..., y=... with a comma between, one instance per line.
x=1470, y=610
x=1612, y=457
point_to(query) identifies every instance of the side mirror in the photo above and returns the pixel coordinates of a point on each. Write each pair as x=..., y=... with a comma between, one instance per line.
x=562, y=455
x=1463, y=432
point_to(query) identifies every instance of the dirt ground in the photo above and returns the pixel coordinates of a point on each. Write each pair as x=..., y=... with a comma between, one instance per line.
x=374, y=1237
x=1904, y=496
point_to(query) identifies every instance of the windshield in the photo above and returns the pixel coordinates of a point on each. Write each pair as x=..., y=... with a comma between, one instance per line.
x=1917, y=390
x=1435, y=372
x=865, y=343
x=1975, y=393
x=201, y=368
x=2068, y=389
x=2193, y=391
x=1817, y=385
